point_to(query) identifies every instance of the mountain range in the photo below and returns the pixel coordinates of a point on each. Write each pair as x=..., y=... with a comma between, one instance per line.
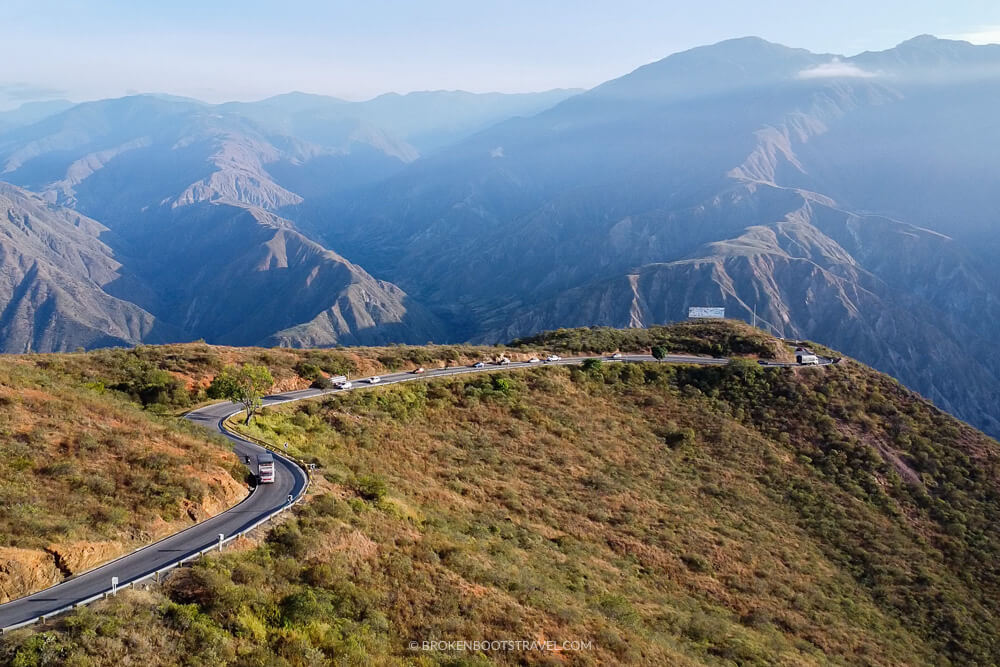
x=849, y=200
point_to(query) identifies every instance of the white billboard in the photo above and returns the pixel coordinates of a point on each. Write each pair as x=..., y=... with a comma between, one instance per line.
x=699, y=311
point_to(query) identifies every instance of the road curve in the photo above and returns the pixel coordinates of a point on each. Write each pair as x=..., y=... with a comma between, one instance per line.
x=264, y=501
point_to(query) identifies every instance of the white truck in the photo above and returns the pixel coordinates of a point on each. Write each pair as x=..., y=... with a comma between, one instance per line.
x=265, y=468
x=806, y=359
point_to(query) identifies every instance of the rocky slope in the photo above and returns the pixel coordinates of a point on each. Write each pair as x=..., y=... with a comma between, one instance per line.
x=58, y=281
x=248, y=277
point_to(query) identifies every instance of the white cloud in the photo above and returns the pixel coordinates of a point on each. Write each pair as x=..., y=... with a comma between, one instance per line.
x=835, y=69
x=497, y=152
x=984, y=35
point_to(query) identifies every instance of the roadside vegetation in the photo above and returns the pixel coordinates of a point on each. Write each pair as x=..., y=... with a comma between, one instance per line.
x=665, y=514
x=718, y=339
x=86, y=475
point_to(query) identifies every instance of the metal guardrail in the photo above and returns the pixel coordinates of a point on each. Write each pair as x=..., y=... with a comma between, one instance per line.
x=216, y=546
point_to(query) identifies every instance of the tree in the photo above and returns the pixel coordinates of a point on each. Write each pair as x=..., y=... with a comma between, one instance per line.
x=245, y=385
x=659, y=352
x=591, y=364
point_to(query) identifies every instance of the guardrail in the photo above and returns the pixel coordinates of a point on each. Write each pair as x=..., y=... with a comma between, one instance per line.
x=217, y=546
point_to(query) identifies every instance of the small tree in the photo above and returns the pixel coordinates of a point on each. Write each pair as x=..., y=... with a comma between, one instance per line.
x=245, y=385
x=591, y=364
x=659, y=352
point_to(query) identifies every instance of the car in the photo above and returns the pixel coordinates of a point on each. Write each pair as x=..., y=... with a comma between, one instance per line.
x=616, y=355
x=344, y=384
x=374, y=379
x=503, y=362
x=418, y=371
x=479, y=364
x=553, y=357
x=534, y=360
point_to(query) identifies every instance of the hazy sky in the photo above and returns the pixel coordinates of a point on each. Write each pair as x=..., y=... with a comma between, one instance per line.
x=220, y=50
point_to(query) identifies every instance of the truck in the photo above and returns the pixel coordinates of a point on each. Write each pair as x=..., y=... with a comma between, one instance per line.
x=265, y=468
x=807, y=359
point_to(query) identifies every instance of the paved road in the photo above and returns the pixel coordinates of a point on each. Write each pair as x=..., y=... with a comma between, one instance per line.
x=266, y=499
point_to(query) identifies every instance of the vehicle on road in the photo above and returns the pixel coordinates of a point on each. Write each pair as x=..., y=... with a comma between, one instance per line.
x=553, y=357
x=479, y=364
x=418, y=371
x=503, y=362
x=265, y=468
x=344, y=384
x=374, y=379
x=534, y=360
x=807, y=359
x=616, y=355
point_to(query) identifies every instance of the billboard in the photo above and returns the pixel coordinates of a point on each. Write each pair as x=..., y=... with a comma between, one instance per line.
x=699, y=311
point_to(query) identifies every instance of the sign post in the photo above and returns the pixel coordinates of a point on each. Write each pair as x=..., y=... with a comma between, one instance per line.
x=114, y=585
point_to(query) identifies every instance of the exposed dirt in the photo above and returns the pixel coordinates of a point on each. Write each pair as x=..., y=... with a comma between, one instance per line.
x=75, y=557
x=25, y=570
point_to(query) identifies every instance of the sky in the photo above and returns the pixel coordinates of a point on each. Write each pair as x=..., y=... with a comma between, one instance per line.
x=218, y=50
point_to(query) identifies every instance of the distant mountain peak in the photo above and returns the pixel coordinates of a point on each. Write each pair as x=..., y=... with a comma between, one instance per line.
x=930, y=53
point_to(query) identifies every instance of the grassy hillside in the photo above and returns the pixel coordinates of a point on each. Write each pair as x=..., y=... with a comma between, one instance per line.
x=658, y=514
x=87, y=476
x=170, y=379
x=714, y=338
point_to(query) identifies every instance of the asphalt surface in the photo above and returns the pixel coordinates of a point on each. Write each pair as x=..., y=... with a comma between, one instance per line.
x=263, y=501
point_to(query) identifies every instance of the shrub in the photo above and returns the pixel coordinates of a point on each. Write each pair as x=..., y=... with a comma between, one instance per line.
x=371, y=487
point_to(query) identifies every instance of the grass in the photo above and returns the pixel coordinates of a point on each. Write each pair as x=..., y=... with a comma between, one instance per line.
x=88, y=476
x=664, y=514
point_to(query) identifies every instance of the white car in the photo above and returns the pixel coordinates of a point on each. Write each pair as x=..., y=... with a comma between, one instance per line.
x=479, y=364
x=374, y=379
x=503, y=362
x=553, y=357
x=418, y=371
x=534, y=360
x=346, y=384
x=616, y=355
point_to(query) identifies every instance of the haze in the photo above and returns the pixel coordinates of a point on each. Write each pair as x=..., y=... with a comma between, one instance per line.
x=248, y=50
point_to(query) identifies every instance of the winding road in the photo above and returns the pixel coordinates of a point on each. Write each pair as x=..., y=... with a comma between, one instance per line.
x=263, y=502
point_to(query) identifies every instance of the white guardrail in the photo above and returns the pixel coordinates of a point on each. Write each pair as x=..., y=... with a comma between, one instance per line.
x=216, y=546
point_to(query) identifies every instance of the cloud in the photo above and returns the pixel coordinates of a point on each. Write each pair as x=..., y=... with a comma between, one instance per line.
x=983, y=35
x=497, y=152
x=835, y=69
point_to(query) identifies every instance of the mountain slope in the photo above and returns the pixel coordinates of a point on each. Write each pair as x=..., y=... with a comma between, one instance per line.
x=58, y=280
x=250, y=278
x=587, y=212
x=647, y=514
x=31, y=112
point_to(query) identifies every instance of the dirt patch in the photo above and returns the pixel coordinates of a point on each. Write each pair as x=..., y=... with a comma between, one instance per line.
x=889, y=454
x=74, y=557
x=25, y=570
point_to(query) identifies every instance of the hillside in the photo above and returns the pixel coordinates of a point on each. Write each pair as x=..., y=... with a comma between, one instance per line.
x=845, y=199
x=59, y=282
x=67, y=281
x=85, y=426
x=88, y=476
x=851, y=209
x=658, y=514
